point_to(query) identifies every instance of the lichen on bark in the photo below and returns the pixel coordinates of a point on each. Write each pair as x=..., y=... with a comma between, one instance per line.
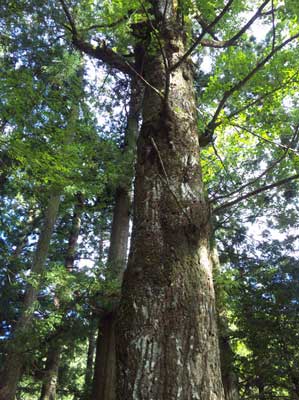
x=166, y=329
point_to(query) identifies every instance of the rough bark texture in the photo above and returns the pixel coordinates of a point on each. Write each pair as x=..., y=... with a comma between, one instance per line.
x=229, y=378
x=166, y=330
x=105, y=367
x=14, y=357
x=89, y=364
x=104, y=377
x=104, y=374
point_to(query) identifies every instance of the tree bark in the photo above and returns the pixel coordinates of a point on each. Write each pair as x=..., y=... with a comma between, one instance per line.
x=18, y=343
x=89, y=364
x=229, y=377
x=105, y=369
x=105, y=365
x=74, y=234
x=50, y=379
x=119, y=233
x=104, y=373
x=167, y=341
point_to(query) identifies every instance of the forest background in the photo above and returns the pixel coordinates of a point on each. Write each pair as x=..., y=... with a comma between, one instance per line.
x=73, y=82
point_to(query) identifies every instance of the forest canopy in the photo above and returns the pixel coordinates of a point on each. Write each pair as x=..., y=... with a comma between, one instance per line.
x=149, y=166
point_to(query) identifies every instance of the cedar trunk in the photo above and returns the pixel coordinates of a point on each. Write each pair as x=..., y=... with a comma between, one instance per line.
x=104, y=374
x=105, y=365
x=167, y=342
x=89, y=364
x=14, y=357
x=229, y=378
x=48, y=391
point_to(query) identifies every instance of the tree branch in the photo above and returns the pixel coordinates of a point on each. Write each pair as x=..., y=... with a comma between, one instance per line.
x=216, y=44
x=105, y=54
x=213, y=123
x=248, y=24
x=205, y=26
x=200, y=37
x=102, y=53
x=253, y=181
x=265, y=139
x=232, y=41
x=111, y=25
x=69, y=17
x=254, y=193
x=273, y=25
x=262, y=97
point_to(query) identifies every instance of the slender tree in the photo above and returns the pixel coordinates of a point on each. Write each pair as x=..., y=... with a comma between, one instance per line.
x=104, y=383
x=14, y=358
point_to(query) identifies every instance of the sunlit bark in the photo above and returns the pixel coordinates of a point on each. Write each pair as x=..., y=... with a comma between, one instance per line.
x=167, y=338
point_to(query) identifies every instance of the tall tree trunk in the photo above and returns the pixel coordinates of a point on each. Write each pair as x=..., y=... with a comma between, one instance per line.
x=50, y=378
x=32, y=223
x=261, y=388
x=89, y=364
x=104, y=373
x=6, y=163
x=48, y=391
x=229, y=377
x=167, y=341
x=74, y=234
x=119, y=233
x=17, y=345
x=105, y=365
x=14, y=263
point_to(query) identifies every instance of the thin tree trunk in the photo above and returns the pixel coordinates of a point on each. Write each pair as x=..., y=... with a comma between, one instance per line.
x=105, y=370
x=74, y=234
x=104, y=373
x=14, y=357
x=6, y=163
x=105, y=365
x=14, y=262
x=229, y=377
x=48, y=391
x=119, y=233
x=50, y=379
x=295, y=386
x=32, y=223
x=90, y=362
x=167, y=340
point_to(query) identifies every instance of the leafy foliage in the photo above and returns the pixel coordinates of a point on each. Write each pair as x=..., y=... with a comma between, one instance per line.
x=62, y=126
